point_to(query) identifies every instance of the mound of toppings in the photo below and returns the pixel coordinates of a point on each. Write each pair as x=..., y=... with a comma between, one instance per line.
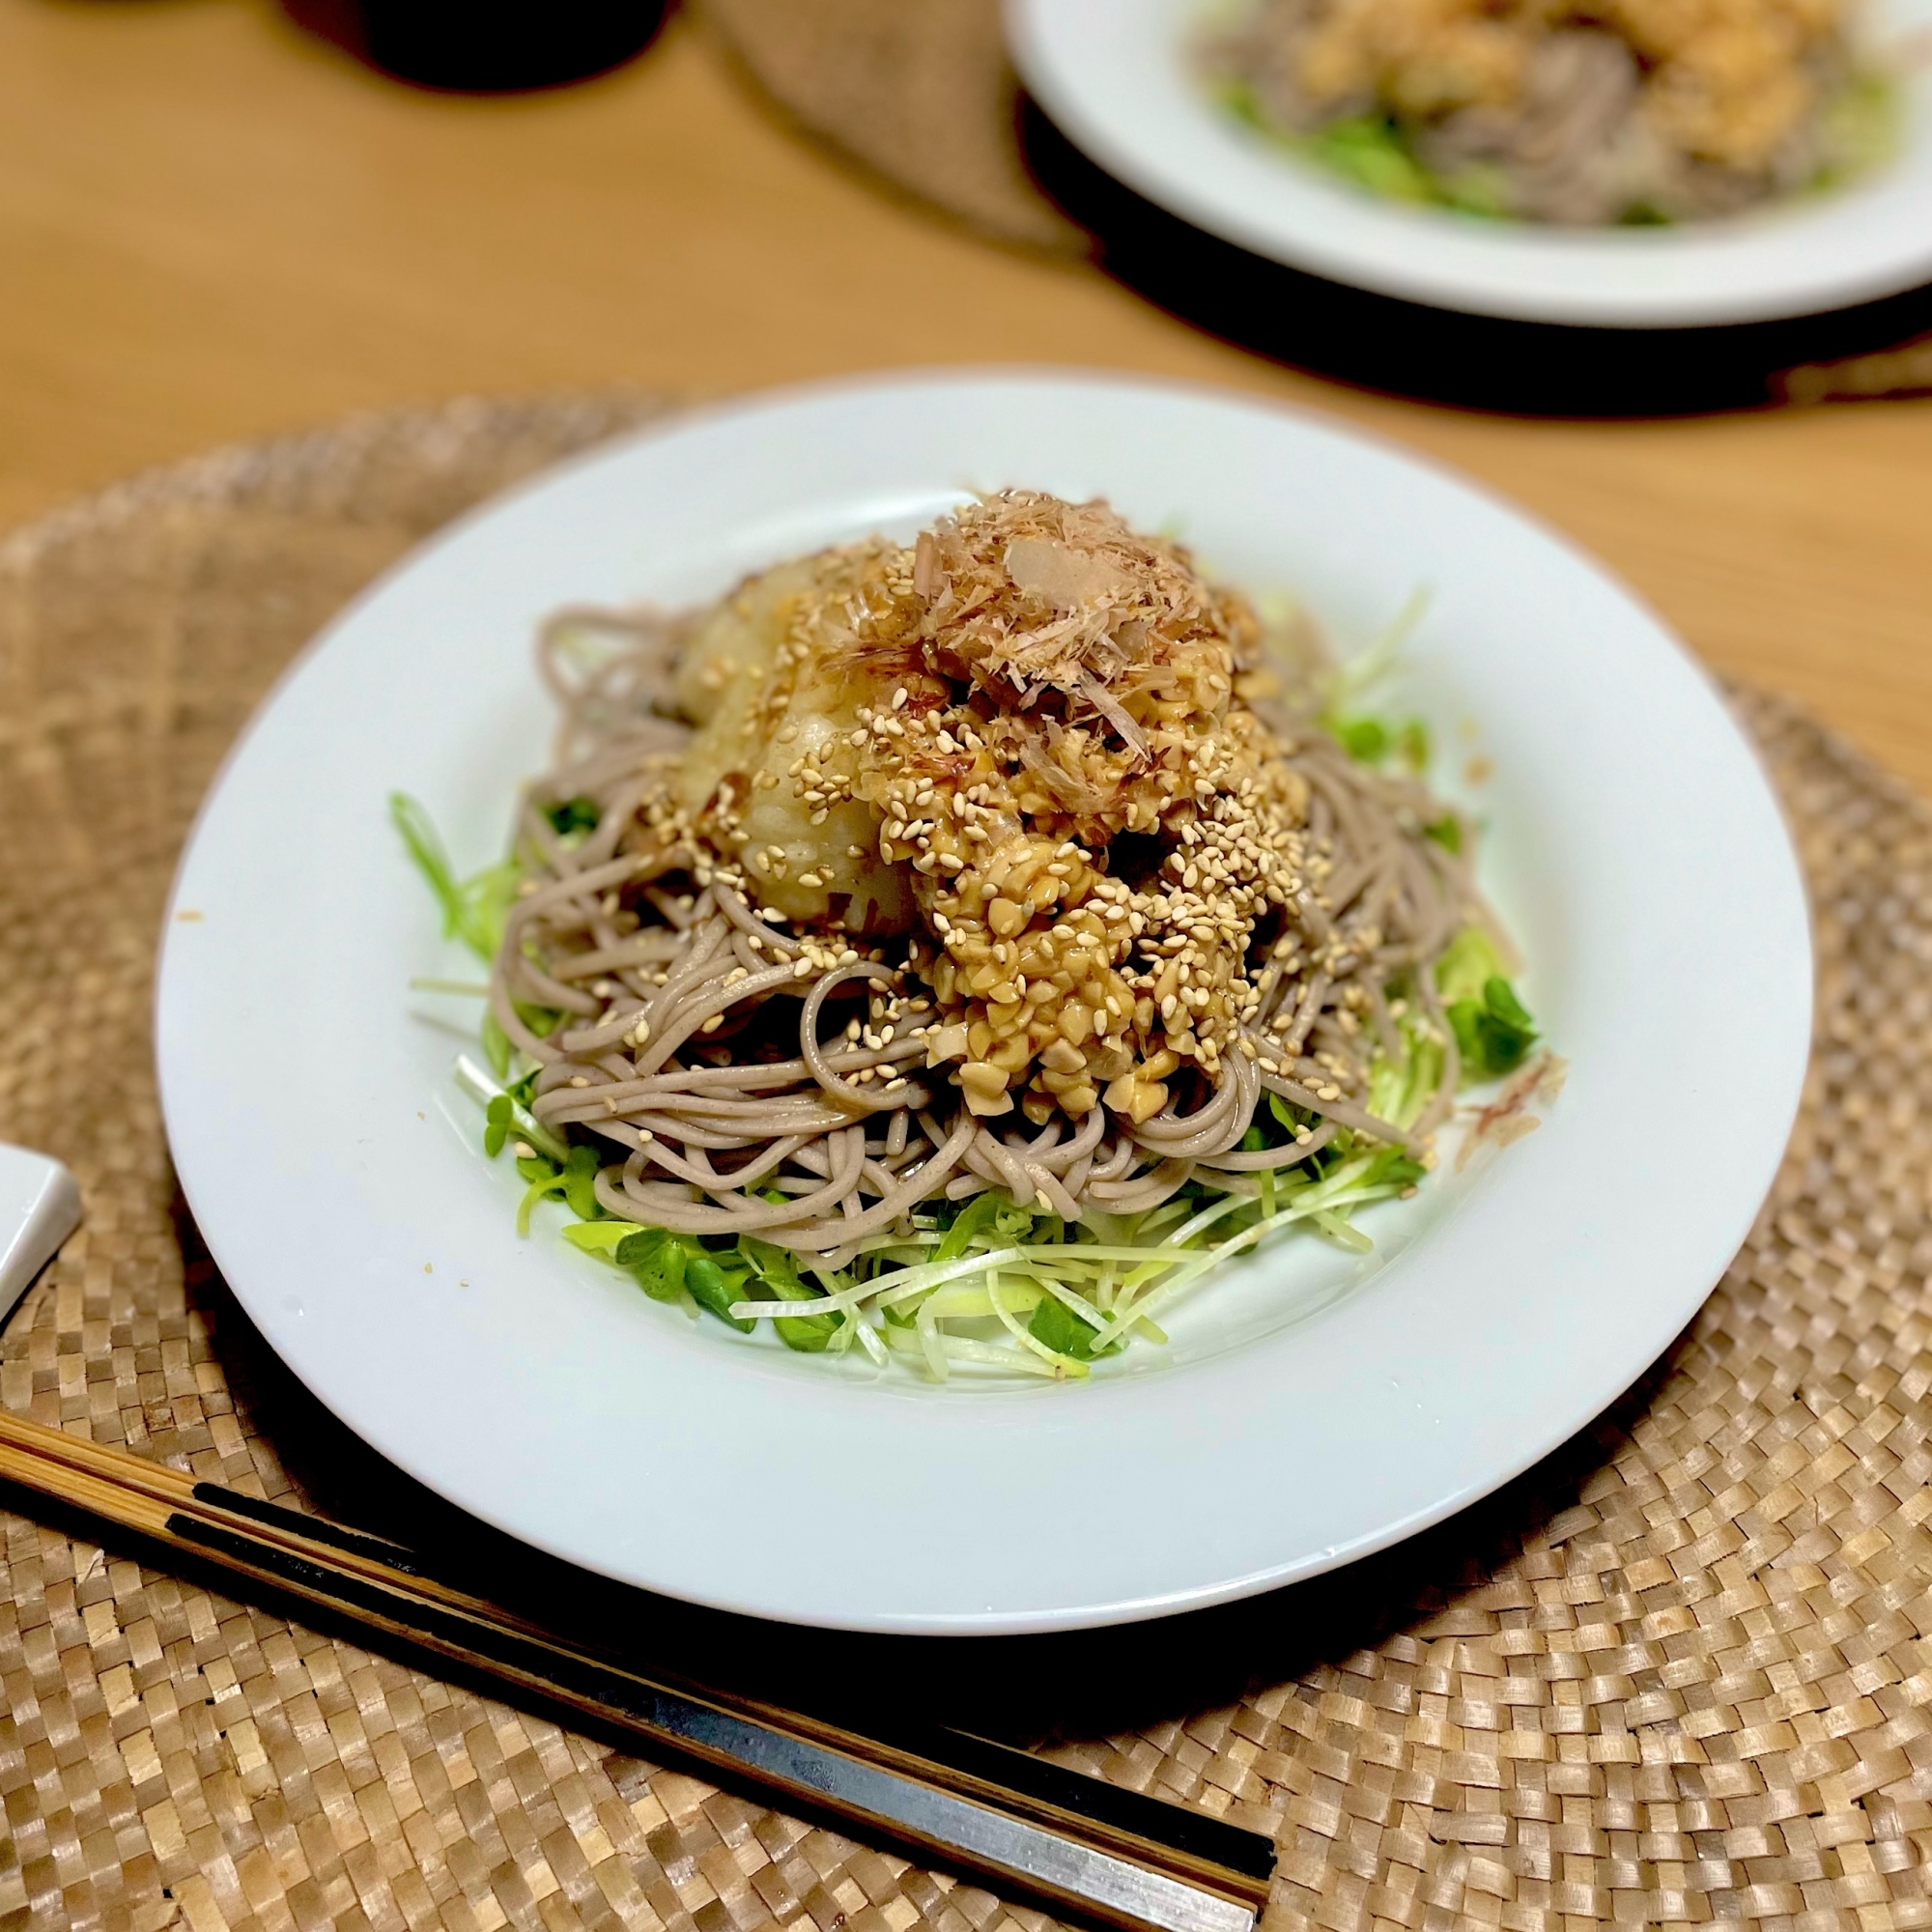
x=1024, y=744
x=1725, y=79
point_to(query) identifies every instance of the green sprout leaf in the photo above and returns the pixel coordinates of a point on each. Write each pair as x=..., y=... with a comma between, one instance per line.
x=573, y=1178
x=1372, y=151
x=545, y=1179
x=607, y=1238
x=656, y=1259
x=973, y=1219
x=1366, y=740
x=776, y=1267
x=1495, y=1032
x=1374, y=741
x=473, y=909
x=1500, y=998
x=580, y=1182
x=1392, y=1168
x=1056, y=1325
x=777, y=1271
x=809, y=1333
x=574, y=815
x=1467, y=963
x=714, y=1289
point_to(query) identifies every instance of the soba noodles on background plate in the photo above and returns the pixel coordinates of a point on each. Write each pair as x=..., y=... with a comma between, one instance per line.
x=1554, y=110
x=957, y=950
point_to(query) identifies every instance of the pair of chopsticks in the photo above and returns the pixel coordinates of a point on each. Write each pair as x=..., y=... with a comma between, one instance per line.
x=1075, y=1844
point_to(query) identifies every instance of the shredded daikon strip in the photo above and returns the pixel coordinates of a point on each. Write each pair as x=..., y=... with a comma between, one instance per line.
x=983, y=1354
x=904, y=1286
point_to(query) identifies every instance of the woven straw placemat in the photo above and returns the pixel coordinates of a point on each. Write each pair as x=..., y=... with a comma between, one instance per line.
x=1680, y=1671
x=922, y=95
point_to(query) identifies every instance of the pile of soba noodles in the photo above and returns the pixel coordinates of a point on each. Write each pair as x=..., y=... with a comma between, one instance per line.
x=1574, y=111
x=960, y=948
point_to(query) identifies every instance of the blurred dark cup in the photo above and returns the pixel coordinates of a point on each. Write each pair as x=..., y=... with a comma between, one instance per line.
x=492, y=46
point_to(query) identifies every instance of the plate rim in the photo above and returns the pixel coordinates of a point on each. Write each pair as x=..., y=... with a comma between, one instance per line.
x=751, y=406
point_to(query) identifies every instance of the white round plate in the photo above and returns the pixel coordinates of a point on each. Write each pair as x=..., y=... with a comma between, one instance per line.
x=1116, y=77
x=1314, y=1407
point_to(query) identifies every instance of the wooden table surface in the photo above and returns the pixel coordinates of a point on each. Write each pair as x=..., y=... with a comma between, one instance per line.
x=212, y=225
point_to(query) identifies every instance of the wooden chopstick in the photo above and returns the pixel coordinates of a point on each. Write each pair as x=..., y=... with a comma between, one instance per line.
x=1075, y=1844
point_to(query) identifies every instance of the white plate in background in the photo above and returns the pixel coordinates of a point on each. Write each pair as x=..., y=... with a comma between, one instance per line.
x=1117, y=79
x=1313, y=1408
